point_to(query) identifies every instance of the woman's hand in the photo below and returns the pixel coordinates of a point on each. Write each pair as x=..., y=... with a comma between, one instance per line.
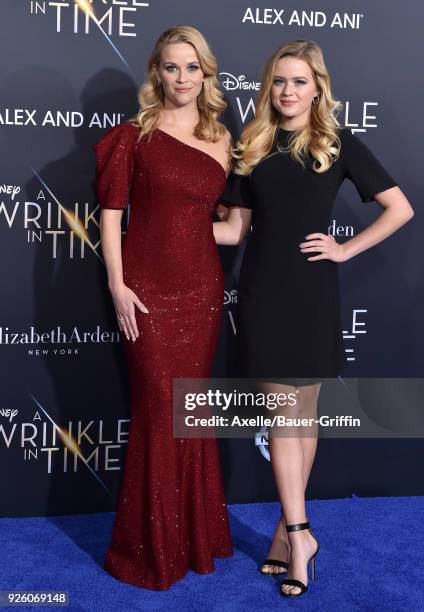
x=125, y=301
x=222, y=212
x=233, y=230
x=330, y=249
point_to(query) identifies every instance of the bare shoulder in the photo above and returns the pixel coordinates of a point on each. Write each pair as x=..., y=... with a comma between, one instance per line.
x=227, y=138
x=226, y=142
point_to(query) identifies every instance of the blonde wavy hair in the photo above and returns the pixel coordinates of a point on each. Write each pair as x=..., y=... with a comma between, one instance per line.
x=319, y=138
x=210, y=101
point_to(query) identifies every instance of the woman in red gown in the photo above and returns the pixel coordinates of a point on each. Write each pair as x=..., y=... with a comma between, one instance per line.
x=170, y=162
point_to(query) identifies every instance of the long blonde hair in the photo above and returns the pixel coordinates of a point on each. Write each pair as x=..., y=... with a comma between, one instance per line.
x=210, y=101
x=319, y=138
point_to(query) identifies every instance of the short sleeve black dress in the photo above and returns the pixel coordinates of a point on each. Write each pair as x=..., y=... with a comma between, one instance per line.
x=289, y=323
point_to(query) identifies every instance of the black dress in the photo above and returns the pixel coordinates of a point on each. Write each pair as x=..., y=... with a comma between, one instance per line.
x=289, y=323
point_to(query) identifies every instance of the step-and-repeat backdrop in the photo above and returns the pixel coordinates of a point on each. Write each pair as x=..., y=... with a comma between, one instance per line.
x=70, y=69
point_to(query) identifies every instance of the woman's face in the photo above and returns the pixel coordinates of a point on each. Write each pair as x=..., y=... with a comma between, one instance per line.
x=180, y=73
x=293, y=89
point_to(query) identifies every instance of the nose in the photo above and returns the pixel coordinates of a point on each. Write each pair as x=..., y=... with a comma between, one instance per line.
x=287, y=89
x=182, y=76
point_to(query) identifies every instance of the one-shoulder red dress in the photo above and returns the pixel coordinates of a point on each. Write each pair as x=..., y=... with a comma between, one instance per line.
x=171, y=514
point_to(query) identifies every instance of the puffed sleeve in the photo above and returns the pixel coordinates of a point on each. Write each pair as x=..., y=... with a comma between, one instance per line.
x=115, y=165
x=237, y=191
x=362, y=167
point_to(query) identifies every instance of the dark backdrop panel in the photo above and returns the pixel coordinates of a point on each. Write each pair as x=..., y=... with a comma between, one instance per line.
x=62, y=85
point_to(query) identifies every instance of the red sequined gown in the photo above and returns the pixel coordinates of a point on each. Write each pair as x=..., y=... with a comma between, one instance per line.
x=171, y=513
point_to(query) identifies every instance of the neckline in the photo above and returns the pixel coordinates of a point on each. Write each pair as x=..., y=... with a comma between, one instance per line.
x=185, y=144
x=288, y=131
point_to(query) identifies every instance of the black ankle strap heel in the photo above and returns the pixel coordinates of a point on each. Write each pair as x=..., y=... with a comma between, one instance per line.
x=275, y=563
x=292, y=581
x=298, y=526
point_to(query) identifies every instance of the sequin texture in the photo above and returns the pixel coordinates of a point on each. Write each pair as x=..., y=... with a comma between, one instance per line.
x=171, y=513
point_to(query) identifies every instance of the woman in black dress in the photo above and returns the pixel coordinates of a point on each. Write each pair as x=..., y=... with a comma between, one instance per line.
x=291, y=160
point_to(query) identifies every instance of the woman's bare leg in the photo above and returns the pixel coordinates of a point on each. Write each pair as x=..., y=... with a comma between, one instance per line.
x=280, y=546
x=292, y=458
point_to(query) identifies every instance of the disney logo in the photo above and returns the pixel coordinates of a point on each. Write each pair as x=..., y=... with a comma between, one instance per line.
x=230, y=297
x=231, y=82
x=10, y=189
x=8, y=413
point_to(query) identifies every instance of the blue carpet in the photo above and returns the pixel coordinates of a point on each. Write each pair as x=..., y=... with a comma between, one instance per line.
x=371, y=558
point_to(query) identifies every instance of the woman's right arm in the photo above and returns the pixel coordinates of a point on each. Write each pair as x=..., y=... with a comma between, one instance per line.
x=124, y=298
x=114, y=171
x=234, y=228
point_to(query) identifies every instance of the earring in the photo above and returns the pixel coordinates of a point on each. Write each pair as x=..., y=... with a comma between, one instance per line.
x=317, y=99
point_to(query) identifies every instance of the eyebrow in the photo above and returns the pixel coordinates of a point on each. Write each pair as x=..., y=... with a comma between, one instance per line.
x=175, y=63
x=276, y=76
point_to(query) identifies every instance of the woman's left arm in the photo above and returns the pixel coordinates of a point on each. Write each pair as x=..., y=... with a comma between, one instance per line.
x=397, y=211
